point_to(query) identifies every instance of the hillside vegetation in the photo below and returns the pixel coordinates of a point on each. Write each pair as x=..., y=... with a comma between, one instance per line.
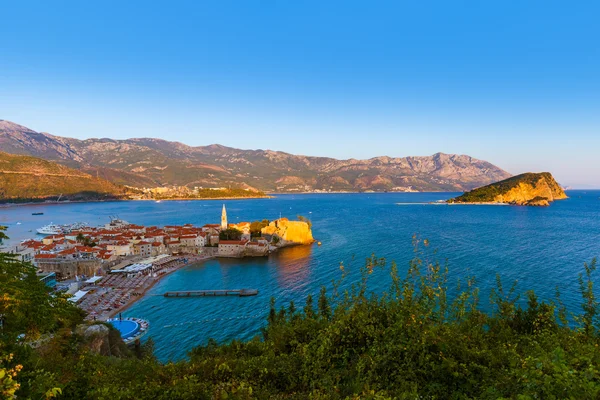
x=416, y=340
x=24, y=178
x=150, y=162
x=525, y=189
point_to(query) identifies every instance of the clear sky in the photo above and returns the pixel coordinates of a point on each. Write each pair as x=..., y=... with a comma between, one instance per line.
x=516, y=83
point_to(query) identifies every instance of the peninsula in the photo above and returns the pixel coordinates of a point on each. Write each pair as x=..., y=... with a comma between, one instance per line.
x=529, y=189
x=109, y=267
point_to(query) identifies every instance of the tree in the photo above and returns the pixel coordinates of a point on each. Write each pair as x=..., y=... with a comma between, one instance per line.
x=257, y=226
x=324, y=308
x=230, y=234
x=8, y=383
x=27, y=305
x=304, y=219
x=3, y=235
x=308, y=308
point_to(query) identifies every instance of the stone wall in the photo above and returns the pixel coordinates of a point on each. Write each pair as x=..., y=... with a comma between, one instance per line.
x=70, y=268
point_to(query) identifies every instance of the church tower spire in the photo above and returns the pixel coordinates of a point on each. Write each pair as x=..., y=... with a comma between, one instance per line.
x=224, y=218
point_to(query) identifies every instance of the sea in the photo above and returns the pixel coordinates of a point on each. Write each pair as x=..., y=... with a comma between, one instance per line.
x=539, y=249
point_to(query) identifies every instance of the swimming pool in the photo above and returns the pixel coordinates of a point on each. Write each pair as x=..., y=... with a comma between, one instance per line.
x=128, y=328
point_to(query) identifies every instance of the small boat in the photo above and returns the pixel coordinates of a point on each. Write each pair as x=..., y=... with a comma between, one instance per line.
x=18, y=223
x=37, y=213
x=318, y=243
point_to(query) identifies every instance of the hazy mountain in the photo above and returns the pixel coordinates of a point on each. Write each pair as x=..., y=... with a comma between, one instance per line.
x=155, y=162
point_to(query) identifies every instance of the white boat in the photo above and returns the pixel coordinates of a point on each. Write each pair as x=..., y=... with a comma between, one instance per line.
x=116, y=223
x=50, y=229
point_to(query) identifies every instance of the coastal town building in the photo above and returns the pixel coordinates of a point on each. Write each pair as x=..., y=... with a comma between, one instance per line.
x=23, y=253
x=142, y=248
x=232, y=248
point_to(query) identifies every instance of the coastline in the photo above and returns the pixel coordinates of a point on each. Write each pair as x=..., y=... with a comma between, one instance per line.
x=142, y=294
x=53, y=203
x=205, y=198
x=483, y=203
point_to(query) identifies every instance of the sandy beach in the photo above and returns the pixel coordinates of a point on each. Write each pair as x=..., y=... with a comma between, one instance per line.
x=95, y=305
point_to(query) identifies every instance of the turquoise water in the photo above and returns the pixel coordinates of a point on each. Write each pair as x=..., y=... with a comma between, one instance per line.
x=542, y=248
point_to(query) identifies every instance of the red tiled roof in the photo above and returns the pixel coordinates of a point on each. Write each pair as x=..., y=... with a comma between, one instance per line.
x=67, y=251
x=45, y=256
x=86, y=249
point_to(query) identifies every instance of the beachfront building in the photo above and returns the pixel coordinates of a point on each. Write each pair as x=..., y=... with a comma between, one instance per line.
x=213, y=240
x=142, y=248
x=158, y=248
x=173, y=245
x=193, y=240
x=232, y=248
x=120, y=248
x=22, y=252
x=255, y=248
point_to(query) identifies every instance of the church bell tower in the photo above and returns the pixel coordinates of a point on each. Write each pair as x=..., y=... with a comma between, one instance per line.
x=224, y=218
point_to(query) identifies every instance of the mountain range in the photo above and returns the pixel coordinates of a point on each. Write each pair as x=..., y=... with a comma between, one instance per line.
x=150, y=162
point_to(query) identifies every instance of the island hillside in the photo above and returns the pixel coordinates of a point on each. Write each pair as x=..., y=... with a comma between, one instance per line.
x=529, y=189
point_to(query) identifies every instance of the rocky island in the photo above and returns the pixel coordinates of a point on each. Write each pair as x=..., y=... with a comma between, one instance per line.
x=529, y=189
x=288, y=232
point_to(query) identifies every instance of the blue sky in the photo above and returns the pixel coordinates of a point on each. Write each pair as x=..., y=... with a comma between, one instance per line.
x=516, y=83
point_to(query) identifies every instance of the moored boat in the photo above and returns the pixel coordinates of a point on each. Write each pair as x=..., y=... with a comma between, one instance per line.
x=50, y=229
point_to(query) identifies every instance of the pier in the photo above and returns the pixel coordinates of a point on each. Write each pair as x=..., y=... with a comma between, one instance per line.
x=212, y=293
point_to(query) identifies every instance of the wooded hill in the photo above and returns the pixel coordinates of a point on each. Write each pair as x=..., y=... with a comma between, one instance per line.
x=24, y=178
